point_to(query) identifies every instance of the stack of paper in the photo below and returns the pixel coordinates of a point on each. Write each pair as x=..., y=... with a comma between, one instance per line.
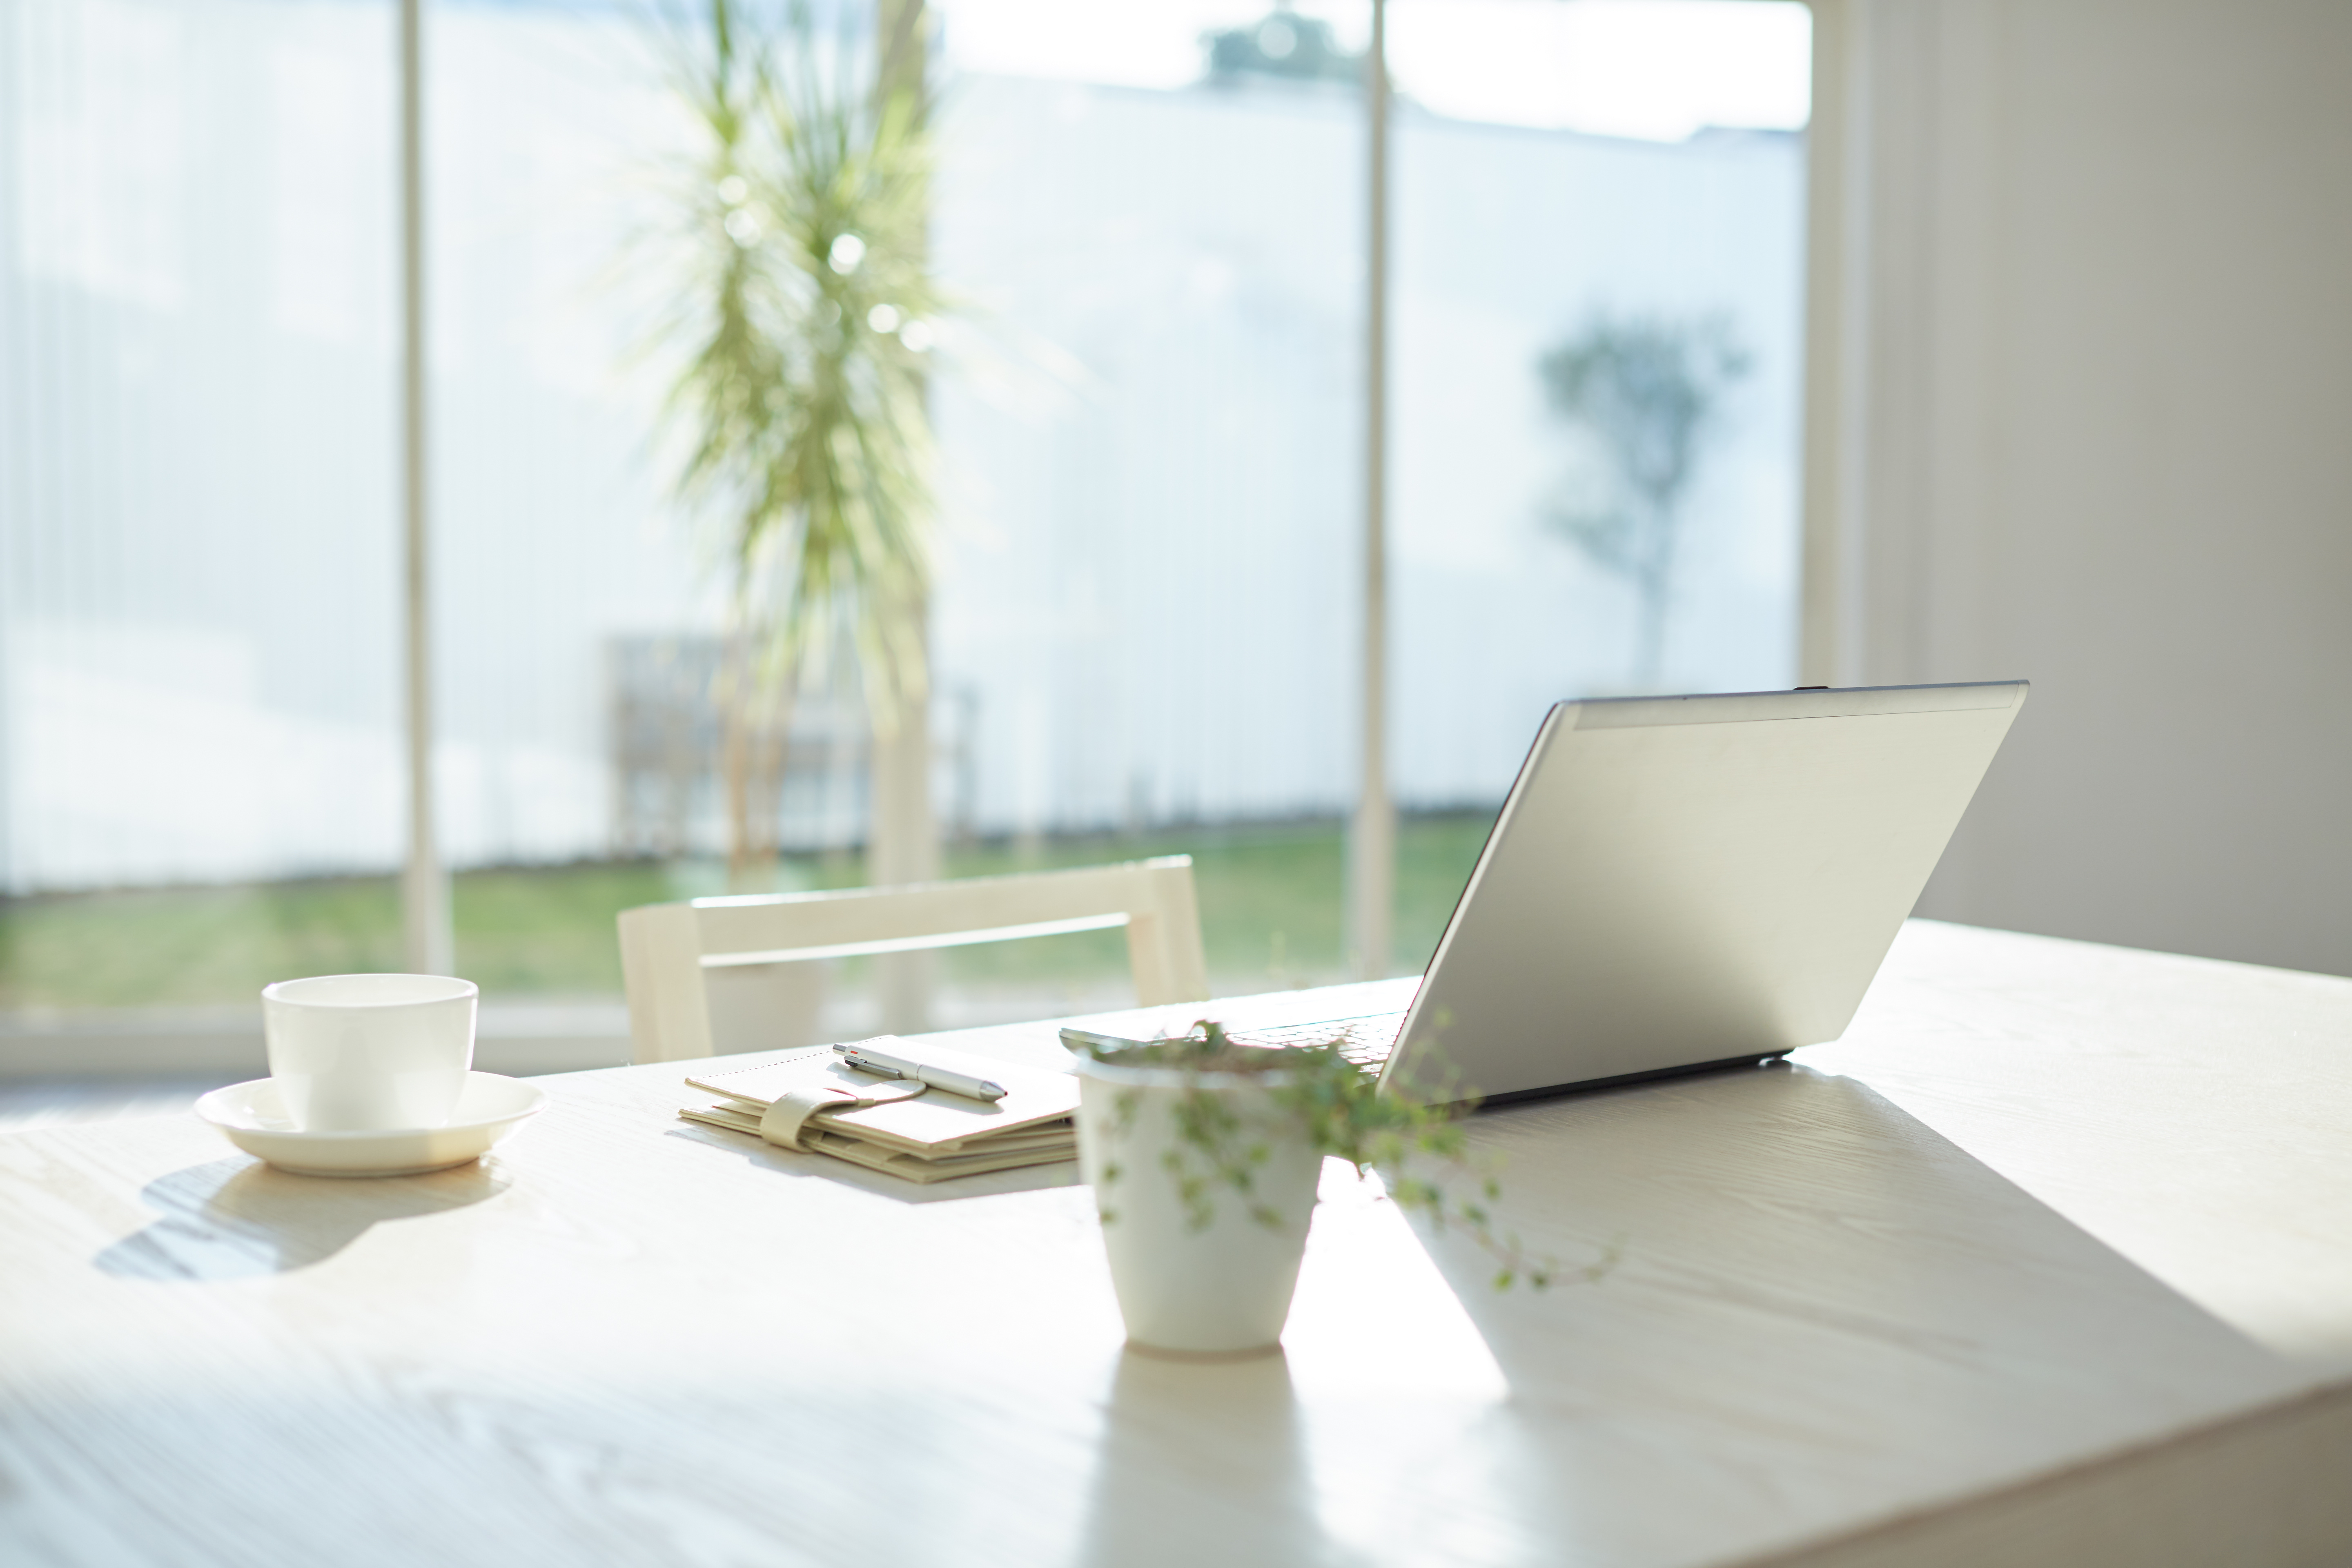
x=925, y=1134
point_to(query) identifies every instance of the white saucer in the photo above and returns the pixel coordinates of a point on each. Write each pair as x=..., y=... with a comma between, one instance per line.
x=492, y=1106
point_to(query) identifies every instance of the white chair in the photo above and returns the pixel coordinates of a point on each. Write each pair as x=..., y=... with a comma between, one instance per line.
x=667, y=948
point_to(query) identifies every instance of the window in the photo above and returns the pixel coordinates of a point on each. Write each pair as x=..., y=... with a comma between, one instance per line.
x=1153, y=459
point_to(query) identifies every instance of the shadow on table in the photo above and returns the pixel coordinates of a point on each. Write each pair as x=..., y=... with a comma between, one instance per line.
x=1784, y=1230
x=1814, y=1298
x=1201, y=1463
x=237, y=1218
x=790, y=1163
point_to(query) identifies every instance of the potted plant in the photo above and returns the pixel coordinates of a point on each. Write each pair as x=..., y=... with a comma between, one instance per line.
x=1204, y=1156
x=792, y=254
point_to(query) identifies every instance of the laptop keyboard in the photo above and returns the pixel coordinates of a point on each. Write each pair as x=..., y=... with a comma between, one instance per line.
x=1366, y=1041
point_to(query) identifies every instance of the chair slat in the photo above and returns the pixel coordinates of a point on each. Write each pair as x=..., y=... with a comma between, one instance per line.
x=665, y=948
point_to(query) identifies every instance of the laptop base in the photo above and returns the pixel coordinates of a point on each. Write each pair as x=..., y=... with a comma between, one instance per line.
x=1370, y=1040
x=1520, y=1097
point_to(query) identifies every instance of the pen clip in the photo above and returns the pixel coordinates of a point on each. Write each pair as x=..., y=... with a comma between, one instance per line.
x=864, y=1064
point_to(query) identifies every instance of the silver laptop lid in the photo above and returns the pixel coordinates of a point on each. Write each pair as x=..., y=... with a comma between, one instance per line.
x=1677, y=881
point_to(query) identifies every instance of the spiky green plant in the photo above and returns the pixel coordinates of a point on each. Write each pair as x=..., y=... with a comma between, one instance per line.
x=802, y=309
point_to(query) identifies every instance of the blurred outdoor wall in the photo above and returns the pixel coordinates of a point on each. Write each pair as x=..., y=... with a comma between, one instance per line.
x=2107, y=444
x=1152, y=584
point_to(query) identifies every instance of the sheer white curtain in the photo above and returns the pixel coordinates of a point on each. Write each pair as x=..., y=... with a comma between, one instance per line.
x=198, y=621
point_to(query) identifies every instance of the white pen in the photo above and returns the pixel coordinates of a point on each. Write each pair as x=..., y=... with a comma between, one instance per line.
x=885, y=1065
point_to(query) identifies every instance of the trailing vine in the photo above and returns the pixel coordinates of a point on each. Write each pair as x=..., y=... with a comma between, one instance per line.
x=1417, y=1146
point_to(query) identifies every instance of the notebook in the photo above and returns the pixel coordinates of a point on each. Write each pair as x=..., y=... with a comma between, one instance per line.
x=923, y=1134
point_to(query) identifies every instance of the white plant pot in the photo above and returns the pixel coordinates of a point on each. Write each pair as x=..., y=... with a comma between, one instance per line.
x=1220, y=1289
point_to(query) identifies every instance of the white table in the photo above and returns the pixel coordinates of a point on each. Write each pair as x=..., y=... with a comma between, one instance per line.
x=2049, y=1261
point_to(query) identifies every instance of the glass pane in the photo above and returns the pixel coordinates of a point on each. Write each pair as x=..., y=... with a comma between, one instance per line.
x=1159, y=214
x=1152, y=609
x=197, y=619
x=1598, y=329
x=557, y=562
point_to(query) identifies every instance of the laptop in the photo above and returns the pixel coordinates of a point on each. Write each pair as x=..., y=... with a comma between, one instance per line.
x=1681, y=884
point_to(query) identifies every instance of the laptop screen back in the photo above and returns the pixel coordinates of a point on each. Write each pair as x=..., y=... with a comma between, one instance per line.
x=1686, y=880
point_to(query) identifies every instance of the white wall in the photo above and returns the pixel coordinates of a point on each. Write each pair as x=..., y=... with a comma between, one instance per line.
x=2101, y=436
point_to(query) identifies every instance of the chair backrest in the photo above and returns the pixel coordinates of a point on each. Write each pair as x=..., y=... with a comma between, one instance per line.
x=666, y=948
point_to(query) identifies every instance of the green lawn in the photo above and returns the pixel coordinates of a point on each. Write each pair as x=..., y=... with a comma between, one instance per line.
x=1270, y=912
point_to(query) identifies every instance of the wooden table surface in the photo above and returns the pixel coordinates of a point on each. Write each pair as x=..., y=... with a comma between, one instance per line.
x=2049, y=1261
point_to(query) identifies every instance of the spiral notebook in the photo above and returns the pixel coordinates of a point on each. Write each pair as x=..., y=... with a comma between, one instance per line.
x=925, y=1134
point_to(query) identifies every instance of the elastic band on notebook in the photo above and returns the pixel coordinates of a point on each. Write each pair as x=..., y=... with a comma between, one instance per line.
x=784, y=1120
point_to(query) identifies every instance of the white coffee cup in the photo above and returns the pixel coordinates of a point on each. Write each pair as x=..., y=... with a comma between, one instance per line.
x=363, y=1052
